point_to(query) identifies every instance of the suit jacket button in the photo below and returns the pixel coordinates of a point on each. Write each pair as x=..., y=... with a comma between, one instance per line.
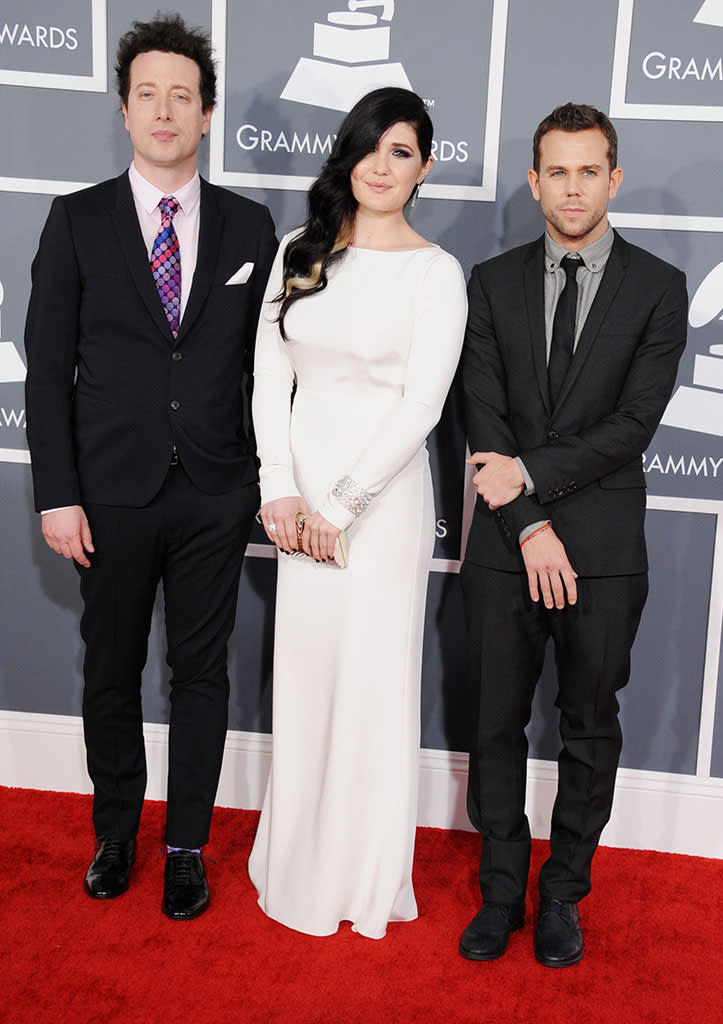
x=177, y=355
x=175, y=404
x=552, y=435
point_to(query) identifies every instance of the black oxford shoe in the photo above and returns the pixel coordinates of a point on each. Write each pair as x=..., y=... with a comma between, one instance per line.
x=185, y=891
x=558, y=940
x=486, y=936
x=110, y=869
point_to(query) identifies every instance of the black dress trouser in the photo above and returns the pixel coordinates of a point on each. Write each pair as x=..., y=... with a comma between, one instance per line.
x=508, y=633
x=193, y=543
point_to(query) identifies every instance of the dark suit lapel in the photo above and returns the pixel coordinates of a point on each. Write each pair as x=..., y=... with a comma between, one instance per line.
x=613, y=275
x=125, y=219
x=534, y=274
x=209, y=246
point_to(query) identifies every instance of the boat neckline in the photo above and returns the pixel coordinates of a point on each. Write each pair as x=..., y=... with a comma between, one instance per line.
x=418, y=248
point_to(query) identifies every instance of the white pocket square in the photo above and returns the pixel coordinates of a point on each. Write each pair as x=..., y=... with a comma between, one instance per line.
x=242, y=274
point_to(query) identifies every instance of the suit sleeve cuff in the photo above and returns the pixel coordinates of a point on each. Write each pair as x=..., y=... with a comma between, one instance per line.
x=529, y=530
x=529, y=482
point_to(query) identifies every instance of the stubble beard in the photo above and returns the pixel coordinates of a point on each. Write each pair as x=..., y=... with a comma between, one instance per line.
x=584, y=229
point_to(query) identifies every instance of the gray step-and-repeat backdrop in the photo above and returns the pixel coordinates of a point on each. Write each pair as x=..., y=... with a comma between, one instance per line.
x=488, y=70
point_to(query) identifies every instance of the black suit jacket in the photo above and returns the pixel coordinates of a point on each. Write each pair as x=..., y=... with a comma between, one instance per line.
x=585, y=454
x=109, y=392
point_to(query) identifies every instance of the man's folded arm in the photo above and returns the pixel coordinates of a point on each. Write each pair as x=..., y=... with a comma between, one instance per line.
x=567, y=464
x=486, y=406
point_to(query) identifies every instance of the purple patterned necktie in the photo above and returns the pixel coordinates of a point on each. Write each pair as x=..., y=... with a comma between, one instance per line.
x=166, y=262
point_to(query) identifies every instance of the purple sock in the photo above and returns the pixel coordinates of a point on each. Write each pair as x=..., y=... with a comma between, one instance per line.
x=181, y=849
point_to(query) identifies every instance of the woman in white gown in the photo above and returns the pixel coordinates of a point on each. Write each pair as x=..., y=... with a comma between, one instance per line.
x=366, y=319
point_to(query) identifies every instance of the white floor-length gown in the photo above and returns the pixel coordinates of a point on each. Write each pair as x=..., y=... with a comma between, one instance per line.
x=373, y=356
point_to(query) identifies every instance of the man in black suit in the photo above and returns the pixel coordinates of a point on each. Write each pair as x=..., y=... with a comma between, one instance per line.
x=571, y=353
x=140, y=332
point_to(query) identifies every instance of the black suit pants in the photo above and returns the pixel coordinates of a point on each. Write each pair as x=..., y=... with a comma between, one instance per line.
x=508, y=633
x=193, y=543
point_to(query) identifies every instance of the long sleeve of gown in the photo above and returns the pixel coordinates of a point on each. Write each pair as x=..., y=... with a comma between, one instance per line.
x=273, y=384
x=440, y=312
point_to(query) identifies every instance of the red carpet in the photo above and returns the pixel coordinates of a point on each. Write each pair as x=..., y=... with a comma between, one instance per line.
x=652, y=926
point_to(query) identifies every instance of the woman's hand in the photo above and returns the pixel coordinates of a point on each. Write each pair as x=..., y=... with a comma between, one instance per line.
x=279, y=519
x=319, y=537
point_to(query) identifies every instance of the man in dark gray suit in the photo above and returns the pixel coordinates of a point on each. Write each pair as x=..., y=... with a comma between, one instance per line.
x=571, y=352
x=140, y=336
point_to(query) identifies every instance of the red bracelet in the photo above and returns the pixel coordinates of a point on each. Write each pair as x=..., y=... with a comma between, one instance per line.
x=535, y=532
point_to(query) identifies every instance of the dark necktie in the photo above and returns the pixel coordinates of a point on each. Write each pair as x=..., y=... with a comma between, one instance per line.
x=166, y=262
x=563, y=329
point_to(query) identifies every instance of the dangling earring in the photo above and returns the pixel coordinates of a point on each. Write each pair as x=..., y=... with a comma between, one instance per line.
x=415, y=194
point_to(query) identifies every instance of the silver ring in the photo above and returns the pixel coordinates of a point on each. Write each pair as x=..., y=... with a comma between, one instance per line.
x=271, y=527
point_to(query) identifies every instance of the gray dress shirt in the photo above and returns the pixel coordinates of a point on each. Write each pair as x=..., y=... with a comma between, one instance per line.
x=593, y=259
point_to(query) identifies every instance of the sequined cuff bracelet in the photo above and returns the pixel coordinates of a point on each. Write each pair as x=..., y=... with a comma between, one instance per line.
x=351, y=495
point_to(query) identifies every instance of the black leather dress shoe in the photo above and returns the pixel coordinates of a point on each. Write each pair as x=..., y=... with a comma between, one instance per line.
x=185, y=891
x=558, y=940
x=110, y=869
x=486, y=936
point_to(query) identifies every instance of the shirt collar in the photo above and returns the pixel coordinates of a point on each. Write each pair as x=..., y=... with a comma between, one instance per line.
x=594, y=256
x=149, y=195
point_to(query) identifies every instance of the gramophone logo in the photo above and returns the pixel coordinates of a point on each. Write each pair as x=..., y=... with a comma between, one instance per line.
x=290, y=70
x=700, y=407
x=711, y=13
x=12, y=400
x=351, y=57
x=668, y=62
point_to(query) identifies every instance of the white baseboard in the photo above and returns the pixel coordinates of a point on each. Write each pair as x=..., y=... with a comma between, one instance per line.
x=652, y=810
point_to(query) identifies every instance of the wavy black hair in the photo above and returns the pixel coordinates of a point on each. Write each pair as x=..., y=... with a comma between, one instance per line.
x=331, y=206
x=169, y=34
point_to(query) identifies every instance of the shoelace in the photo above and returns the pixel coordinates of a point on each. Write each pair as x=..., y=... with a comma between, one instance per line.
x=559, y=908
x=181, y=865
x=110, y=849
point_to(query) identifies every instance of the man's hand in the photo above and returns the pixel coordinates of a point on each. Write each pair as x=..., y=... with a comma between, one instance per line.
x=548, y=569
x=500, y=479
x=67, y=532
